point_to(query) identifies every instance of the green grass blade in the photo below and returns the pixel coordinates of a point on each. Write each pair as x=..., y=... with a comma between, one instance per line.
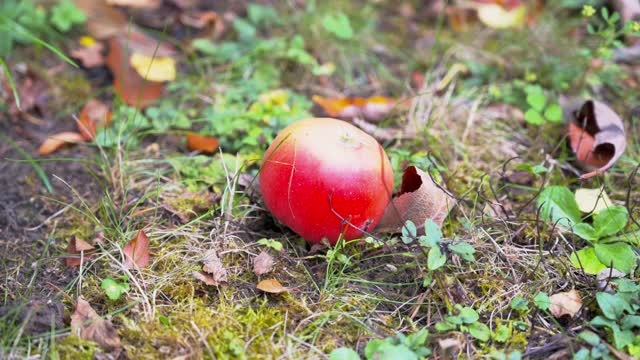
x=11, y=83
x=28, y=158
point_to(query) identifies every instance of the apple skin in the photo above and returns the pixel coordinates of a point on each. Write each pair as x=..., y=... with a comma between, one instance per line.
x=317, y=159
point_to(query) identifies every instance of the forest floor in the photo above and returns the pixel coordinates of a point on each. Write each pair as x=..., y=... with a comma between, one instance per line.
x=484, y=110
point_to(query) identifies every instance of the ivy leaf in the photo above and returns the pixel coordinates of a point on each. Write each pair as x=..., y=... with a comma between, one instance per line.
x=480, y=331
x=436, y=258
x=612, y=306
x=619, y=254
x=588, y=261
x=558, y=204
x=610, y=220
x=542, y=301
x=339, y=25
x=465, y=250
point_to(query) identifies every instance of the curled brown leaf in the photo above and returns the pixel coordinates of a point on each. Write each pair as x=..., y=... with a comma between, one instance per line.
x=272, y=286
x=565, y=303
x=79, y=251
x=136, y=252
x=419, y=199
x=206, y=144
x=597, y=136
x=87, y=324
x=94, y=114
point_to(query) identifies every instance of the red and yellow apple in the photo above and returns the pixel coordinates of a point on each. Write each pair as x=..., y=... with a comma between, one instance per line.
x=324, y=177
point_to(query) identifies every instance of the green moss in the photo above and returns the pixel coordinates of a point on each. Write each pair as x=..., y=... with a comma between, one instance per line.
x=74, y=348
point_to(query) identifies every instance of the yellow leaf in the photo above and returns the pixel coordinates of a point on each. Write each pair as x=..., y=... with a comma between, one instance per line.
x=154, y=69
x=271, y=286
x=592, y=200
x=497, y=17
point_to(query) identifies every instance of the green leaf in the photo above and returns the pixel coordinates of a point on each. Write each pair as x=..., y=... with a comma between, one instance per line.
x=592, y=200
x=339, y=25
x=519, y=303
x=65, y=14
x=585, y=231
x=436, y=258
x=274, y=244
x=583, y=354
x=245, y=30
x=344, y=354
x=502, y=334
x=630, y=321
x=480, y=331
x=589, y=337
x=553, y=113
x=432, y=231
x=409, y=232
x=542, y=301
x=612, y=306
x=558, y=204
x=443, y=326
x=114, y=289
x=621, y=338
x=537, y=101
x=610, y=220
x=588, y=261
x=465, y=250
x=621, y=255
x=262, y=15
x=468, y=315
x=533, y=117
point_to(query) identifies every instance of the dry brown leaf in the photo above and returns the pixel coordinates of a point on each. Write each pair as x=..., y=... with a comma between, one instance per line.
x=214, y=269
x=597, y=136
x=272, y=286
x=55, y=142
x=419, y=199
x=33, y=92
x=94, y=114
x=90, y=56
x=565, y=303
x=206, y=144
x=136, y=252
x=140, y=4
x=128, y=84
x=78, y=249
x=371, y=109
x=262, y=264
x=88, y=325
x=103, y=21
x=205, y=278
x=210, y=23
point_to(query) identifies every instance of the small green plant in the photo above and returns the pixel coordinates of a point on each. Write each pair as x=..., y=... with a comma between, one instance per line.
x=406, y=347
x=271, y=243
x=620, y=318
x=65, y=15
x=339, y=25
x=114, y=288
x=558, y=204
x=466, y=320
x=433, y=244
x=540, y=110
x=201, y=171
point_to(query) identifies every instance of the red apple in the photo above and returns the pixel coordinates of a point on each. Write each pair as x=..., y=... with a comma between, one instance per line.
x=319, y=172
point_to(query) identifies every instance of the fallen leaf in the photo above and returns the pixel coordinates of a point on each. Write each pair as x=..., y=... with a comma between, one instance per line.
x=78, y=249
x=272, y=286
x=33, y=94
x=94, y=114
x=262, y=264
x=136, y=252
x=371, y=109
x=209, y=22
x=205, y=278
x=154, y=68
x=90, y=53
x=502, y=15
x=103, y=21
x=213, y=269
x=128, y=84
x=140, y=4
x=419, y=199
x=88, y=325
x=55, y=142
x=197, y=142
x=597, y=136
x=565, y=303
x=592, y=200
